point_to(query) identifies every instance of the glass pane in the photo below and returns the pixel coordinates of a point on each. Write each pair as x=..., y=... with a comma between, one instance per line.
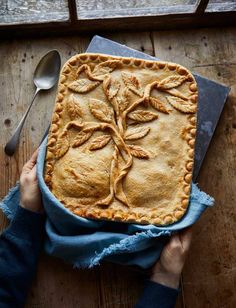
x=33, y=11
x=120, y=8
x=221, y=6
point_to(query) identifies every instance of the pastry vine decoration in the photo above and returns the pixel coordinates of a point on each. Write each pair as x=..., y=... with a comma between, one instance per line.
x=115, y=116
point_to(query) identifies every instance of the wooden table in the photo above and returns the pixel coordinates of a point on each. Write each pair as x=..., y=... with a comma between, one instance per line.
x=209, y=278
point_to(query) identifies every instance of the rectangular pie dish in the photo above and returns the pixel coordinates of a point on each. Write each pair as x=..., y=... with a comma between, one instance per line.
x=121, y=140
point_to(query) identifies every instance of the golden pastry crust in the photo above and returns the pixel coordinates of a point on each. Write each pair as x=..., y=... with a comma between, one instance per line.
x=121, y=141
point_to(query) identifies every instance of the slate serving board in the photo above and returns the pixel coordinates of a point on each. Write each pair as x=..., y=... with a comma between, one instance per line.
x=212, y=96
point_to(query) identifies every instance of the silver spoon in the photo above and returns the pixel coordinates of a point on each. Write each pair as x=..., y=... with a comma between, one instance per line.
x=45, y=77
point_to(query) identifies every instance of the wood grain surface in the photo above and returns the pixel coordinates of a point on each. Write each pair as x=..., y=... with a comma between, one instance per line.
x=209, y=277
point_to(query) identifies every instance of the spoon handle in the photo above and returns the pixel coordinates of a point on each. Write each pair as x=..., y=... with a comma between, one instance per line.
x=13, y=142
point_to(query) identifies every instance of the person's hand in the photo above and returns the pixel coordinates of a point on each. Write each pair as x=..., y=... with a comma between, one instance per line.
x=30, y=195
x=168, y=269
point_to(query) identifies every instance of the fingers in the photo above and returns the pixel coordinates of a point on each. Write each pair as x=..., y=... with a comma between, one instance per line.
x=34, y=170
x=181, y=240
x=185, y=238
x=175, y=240
x=174, y=244
x=34, y=155
x=31, y=162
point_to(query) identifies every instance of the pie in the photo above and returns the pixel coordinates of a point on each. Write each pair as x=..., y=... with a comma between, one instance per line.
x=121, y=140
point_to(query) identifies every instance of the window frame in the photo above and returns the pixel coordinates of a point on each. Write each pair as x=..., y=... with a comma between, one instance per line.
x=200, y=17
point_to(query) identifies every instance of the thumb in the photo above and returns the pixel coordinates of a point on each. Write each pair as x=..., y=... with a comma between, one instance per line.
x=30, y=163
x=186, y=238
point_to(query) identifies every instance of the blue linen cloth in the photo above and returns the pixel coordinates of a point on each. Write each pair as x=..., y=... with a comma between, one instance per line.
x=84, y=242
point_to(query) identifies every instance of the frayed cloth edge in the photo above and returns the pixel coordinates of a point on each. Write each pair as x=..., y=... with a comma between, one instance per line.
x=125, y=245
x=200, y=196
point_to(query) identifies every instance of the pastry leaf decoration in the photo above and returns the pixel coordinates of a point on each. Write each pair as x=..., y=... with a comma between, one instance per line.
x=142, y=116
x=138, y=152
x=181, y=105
x=81, y=69
x=135, y=133
x=158, y=105
x=171, y=82
x=100, y=110
x=81, y=138
x=83, y=85
x=123, y=102
x=110, y=87
x=63, y=145
x=176, y=93
x=105, y=67
x=73, y=108
x=132, y=83
x=99, y=142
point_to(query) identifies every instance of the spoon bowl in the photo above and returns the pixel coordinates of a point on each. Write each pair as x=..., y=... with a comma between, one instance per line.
x=45, y=77
x=47, y=71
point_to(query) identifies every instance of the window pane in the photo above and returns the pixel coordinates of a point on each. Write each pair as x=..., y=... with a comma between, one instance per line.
x=33, y=11
x=119, y=8
x=221, y=6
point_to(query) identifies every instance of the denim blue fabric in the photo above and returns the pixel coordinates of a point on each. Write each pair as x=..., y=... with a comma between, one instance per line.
x=85, y=242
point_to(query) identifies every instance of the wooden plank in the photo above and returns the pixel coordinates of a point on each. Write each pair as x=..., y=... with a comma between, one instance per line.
x=120, y=286
x=141, y=41
x=209, y=277
x=59, y=285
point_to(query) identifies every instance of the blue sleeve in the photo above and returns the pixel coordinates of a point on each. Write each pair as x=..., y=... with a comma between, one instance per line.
x=156, y=295
x=20, y=246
